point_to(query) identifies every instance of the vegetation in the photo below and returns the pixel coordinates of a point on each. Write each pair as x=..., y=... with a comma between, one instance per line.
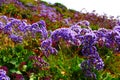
x=43, y=41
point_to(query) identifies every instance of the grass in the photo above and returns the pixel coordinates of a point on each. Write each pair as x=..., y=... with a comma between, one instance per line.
x=65, y=66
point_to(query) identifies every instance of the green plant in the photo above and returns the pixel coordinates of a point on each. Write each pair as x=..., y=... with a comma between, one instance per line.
x=9, y=9
x=26, y=2
x=13, y=57
x=65, y=65
x=94, y=27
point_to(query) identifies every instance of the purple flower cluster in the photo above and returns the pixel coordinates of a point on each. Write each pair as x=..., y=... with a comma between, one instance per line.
x=43, y=29
x=88, y=39
x=39, y=27
x=109, y=38
x=76, y=28
x=66, y=34
x=117, y=28
x=3, y=75
x=1, y=26
x=84, y=23
x=90, y=51
x=17, y=29
x=49, y=12
x=38, y=61
x=15, y=38
x=16, y=2
x=101, y=37
x=46, y=47
x=93, y=62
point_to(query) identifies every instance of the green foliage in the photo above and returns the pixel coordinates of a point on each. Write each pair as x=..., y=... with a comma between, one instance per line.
x=105, y=76
x=9, y=9
x=111, y=61
x=72, y=10
x=61, y=6
x=12, y=57
x=94, y=27
x=59, y=10
x=65, y=65
x=26, y=14
x=27, y=2
x=113, y=65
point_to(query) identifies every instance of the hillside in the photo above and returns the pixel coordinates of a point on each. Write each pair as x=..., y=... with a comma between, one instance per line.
x=44, y=41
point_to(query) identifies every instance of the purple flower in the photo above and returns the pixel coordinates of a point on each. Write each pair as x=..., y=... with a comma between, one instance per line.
x=87, y=51
x=26, y=28
x=87, y=69
x=101, y=36
x=100, y=33
x=117, y=39
x=34, y=28
x=110, y=38
x=12, y=26
x=49, y=12
x=89, y=39
x=22, y=26
x=76, y=28
x=3, y=75
x=96, y=62
x=47, y=48
x=66, y=34
x=38, y=61
x=93, y=63
x=15, y=22
x=117, y=28
x=85, y=23
x=8, y=29
x=15, y=38
x=90, y=74
x=101, y=41
x=43, y=29
x=66, y=21
x=4, y=19
x=39, y=27
x=118, y=22
x=1, y=26
x=84, y=31
x=46, y=43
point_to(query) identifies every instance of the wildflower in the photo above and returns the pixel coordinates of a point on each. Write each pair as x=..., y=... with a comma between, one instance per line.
x=8, y=28
x=43, y=29
x=1, y=26
x=47, y=48
x=38, y=61
x=15, y=38
x=65, y=34
x=3, y=75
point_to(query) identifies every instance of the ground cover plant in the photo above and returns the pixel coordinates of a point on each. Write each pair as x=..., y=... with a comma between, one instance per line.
x=46, y=43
